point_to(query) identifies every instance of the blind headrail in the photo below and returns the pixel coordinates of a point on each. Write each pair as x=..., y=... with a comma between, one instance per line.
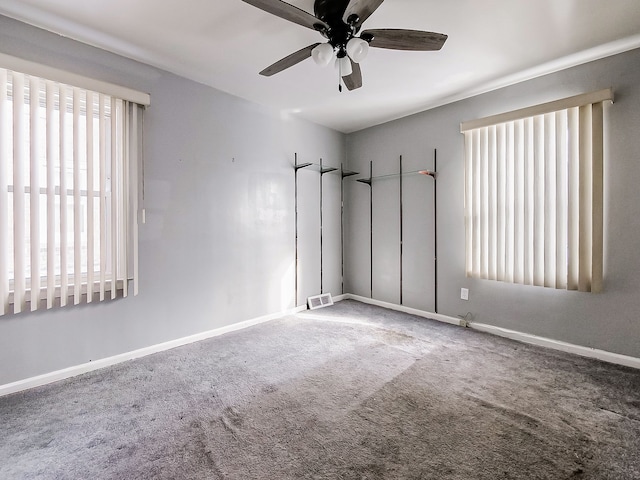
x=544, y=108
x=50, y=73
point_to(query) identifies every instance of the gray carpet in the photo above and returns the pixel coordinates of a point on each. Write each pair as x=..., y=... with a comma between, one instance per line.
x=346, y=392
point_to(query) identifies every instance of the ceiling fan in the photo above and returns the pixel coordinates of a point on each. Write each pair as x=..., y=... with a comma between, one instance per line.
x=340, y=21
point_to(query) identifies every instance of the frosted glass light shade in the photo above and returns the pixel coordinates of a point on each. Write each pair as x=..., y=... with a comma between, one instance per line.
x=344, y=64
x=357, y=49
x=322, y=54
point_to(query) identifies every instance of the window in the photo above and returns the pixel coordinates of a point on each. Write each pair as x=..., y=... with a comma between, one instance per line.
x=68, y=193
x=534, y=194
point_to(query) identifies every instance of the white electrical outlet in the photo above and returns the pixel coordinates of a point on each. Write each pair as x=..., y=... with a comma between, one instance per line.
x=464, y=293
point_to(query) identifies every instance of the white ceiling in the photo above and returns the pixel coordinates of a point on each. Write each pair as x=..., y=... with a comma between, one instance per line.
x=225, y=43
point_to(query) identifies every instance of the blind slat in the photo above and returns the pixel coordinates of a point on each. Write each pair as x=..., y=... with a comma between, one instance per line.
x=477, y=224
x=510, y=203
x=585, y=198
x=124, y=206
x=550, y=200
x=134, y=196
x=64, y=261
x=103, y=196
x=562, y=167
x=51, y=187
x=492, y=187
x=573, y=195
x=519, y=199
x=529, y=207
x=19, y=235
x=468, y=203
x=34, y=203
x=538, y=200
x=4, y=194
x=77, y=230
x=501, y=201
x=484, y=195
x=114, y=201
x=597, y=201
x=90, y=219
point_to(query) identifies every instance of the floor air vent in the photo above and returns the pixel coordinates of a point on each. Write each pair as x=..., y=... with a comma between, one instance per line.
x=319, y=301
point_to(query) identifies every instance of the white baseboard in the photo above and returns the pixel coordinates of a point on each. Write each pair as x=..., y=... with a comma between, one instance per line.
x=142, y=352
x=402, y=308
x=603, y=355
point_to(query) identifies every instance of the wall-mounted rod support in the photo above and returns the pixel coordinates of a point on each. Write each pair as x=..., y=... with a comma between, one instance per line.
x=302, y=165
x=401, y=230
x=435, y=231
x=297, y=167
x=323, y=170
x=321, y=233
x=343, y=174
x=371, y=226
x=434, y=175
x=367, y=181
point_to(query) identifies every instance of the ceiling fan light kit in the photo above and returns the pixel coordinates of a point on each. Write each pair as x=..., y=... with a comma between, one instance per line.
x=357, y=49
x=340, y=21
x=322, y=54
x=344, y=66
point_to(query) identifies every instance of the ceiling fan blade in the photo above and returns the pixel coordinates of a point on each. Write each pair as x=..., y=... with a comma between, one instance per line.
x=362, y=8
x=289, y=12
x=399, y=39
x=354, y=80
x=289, y=61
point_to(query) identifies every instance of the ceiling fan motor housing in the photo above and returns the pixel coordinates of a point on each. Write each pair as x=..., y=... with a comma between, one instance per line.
x=330, y=11
x=339, y=33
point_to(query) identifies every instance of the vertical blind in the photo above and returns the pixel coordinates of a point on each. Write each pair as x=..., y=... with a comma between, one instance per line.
x=68, y=193
x=534, y=194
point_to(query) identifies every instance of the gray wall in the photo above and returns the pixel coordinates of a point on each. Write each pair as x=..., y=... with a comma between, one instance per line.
x=608, y=321
x=218, y=245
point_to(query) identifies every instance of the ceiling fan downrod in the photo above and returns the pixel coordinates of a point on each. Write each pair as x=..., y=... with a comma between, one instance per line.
x=339, y=76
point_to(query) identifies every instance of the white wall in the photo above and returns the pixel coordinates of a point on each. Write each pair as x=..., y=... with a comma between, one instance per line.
x=218, y=245
x=607, y=321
